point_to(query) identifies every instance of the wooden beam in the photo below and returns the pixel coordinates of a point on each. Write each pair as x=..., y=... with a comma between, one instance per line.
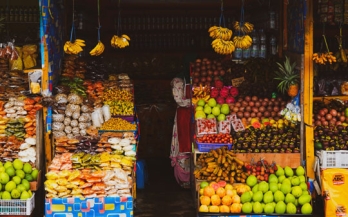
x=308, y=90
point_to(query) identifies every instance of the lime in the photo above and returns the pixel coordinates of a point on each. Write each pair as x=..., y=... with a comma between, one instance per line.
x=15, y=194
x=26, y=184
x=4, y=178
x=20, y=173
x=17, y=164
x=25, y=195
x=6, y=195
x=30, y=193
x=1, y=164
x=10, y=186
x=27, y=168
x=318, y=145
x=8, y=164
x=10, y=171
x=29, y=177
x=17, y=180
x=35, y=173
x=21, y=188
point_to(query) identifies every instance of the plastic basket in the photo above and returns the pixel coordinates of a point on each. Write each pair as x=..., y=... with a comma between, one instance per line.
x=333, y=159
x=206, y=147
x=17, y=206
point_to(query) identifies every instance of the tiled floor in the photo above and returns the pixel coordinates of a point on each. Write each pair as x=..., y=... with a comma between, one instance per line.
x=163, y=197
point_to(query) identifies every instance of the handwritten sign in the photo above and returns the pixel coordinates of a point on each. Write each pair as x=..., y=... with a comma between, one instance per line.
x=237, y=81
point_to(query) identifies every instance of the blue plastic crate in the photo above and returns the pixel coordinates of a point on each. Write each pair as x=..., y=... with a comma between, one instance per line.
x=206, y=147
x=91, y=207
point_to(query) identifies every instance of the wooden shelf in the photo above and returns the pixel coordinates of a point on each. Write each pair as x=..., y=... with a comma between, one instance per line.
x=330, y=97
x=283, y=159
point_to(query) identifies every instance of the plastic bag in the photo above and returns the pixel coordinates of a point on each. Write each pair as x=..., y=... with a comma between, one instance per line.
x=106, y=112
x=321, y=87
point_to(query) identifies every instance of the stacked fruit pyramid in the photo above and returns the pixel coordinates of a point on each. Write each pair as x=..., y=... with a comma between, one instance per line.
x=284, y=192
x=15, y=178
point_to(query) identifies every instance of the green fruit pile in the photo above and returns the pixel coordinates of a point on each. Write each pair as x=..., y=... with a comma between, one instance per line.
x=15, y=178
x=285, y=193
x=212, y=109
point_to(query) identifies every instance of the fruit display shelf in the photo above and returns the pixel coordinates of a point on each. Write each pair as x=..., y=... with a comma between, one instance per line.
x=283, y=159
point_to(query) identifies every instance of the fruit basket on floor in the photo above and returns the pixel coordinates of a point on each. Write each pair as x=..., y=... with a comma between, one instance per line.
x=17, y=206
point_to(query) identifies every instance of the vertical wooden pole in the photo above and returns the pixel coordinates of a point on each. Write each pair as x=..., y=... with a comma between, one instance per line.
x=308, y=90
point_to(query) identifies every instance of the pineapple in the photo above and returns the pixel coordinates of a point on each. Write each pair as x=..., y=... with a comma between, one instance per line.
x=288, y=77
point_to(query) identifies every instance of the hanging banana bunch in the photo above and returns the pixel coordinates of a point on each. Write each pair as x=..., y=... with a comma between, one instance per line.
x=242, y=40
x=243, y=27
x=220, y=32
x=116, y=40
x=221, y=46
x=221, y=35
x=120, y=42
x=99, y=48
x=324, y=57
x=73, y=46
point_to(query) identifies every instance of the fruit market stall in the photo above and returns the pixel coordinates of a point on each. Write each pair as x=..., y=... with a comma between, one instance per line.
x=240, y=137
x=95, y=136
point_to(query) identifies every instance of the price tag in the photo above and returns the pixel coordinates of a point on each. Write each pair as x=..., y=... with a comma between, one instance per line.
x=237, y=81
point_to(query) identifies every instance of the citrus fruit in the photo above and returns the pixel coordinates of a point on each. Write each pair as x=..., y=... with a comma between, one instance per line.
x=6, y=195
x=35, y=173
x=25, y=195
x=27, y=168
x=8, y=164
x=20, y=174
x=10, y=186
x=4, y=178
x=29, y=177
x=26, y=184
x=21, y=188
x=10, y=171
x=17, y=180
x=17, y=164
x=202, y=185
x=15, y=194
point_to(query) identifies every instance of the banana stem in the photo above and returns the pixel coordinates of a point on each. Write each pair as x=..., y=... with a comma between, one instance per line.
x=327, y=47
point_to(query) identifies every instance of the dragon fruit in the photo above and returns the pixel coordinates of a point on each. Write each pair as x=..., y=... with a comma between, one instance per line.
x=214, y=93
x=230, y=100
x=220, y=100
x=218, y=84
x=234, y=91
x=224, y=92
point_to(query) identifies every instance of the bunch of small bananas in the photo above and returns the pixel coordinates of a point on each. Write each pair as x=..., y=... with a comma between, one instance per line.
x=243, y=42
x=323, y=58
x=220, y=32
x=224, y=47
x=74, y=47
x=245, y=27
x=120, y=42
x=201, y=92
x=98, y=49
